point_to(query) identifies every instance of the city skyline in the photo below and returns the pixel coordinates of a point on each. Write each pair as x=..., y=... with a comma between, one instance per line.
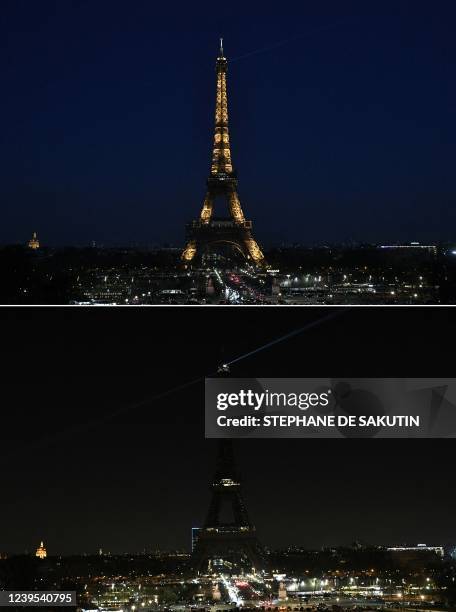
x=334, y=117
x=40, y=549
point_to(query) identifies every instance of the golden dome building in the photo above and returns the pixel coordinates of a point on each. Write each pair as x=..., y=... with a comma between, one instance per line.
x=41, y=552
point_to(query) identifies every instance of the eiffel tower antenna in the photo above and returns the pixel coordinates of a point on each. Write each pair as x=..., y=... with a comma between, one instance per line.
x=209, y=232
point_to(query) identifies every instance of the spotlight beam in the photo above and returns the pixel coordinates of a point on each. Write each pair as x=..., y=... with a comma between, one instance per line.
x=76, y=429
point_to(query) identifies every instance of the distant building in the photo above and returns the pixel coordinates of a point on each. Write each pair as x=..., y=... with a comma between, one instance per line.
x=34, y=243
x=432, y=248
x=416, y=556
x=437, y=550
x=41, y=551
x=195, y=536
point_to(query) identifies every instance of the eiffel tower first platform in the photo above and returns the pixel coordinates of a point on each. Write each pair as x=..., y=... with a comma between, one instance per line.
x=209, y=233
x=228, y=542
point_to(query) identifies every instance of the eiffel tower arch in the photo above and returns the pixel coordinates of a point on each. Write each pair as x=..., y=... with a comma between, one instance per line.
x=210, y=232
x=227, y=542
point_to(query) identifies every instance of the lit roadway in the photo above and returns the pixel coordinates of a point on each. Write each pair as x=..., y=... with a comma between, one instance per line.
x=233, y=591
x=242, y=591
x=243, y=284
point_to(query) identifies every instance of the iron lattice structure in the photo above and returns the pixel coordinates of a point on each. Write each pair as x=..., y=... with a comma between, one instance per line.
x=235, y=230
x=228, y=539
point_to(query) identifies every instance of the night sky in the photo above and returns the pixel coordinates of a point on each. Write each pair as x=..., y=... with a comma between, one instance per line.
x=342, y=118
x=80, y=480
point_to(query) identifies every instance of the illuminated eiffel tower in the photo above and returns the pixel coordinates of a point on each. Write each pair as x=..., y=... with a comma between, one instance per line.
x=209, y=232
x=228, y=540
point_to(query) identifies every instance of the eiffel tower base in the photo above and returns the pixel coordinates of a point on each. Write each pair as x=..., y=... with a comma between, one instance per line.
x=204, y=238
x=227, y=551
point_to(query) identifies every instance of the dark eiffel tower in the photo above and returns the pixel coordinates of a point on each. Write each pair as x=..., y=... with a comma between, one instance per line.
x=217, y=232
x=227, y=541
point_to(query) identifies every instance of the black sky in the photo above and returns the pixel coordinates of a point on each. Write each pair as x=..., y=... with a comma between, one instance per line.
x=342, y=118
x=141, y=479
